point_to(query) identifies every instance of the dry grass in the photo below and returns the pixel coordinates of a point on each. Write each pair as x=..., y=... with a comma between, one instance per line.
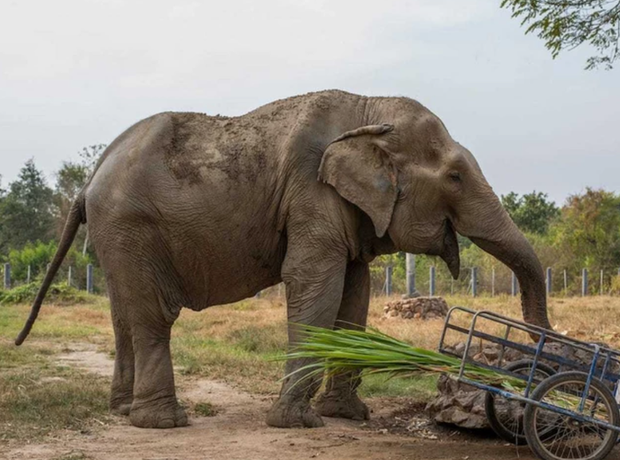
x=235, y=343
x=587, y=319
x=38, y=397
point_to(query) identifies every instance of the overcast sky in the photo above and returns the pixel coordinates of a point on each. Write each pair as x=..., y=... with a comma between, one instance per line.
x=78, y=72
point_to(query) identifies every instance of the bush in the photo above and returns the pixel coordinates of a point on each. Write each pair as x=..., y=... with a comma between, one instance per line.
x=38, y=255
x=60, y=293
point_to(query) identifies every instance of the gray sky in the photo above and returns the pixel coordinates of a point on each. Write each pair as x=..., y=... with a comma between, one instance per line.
x=78, y=72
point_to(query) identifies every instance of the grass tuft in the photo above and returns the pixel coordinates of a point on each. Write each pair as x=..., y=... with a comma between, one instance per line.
x=205, y=409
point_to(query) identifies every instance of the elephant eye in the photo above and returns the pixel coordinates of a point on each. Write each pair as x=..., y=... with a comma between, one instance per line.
x=455, y=176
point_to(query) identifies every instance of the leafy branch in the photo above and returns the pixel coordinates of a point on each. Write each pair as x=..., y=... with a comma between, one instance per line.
x=567, y=24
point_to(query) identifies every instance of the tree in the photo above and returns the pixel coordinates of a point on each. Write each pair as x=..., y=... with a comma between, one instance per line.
x=70, y=179
x=26, y=210
x=589, y=230
x=567, y=24
x=533, y=212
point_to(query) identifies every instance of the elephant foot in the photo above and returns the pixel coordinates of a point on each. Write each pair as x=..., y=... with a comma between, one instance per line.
x=293, y=413
x=120, y=409
x=335, y=404
x=121, y=405
x=158, y=415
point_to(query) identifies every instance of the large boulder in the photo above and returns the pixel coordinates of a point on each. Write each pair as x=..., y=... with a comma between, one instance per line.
x=417, y=308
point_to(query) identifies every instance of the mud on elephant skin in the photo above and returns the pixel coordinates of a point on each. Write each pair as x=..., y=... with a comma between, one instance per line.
x=188, y=210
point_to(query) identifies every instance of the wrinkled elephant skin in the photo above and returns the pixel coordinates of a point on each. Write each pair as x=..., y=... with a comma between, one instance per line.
x=187, y=210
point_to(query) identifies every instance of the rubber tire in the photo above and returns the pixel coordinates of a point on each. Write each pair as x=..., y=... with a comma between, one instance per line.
x=539, y=393
x=489, y=404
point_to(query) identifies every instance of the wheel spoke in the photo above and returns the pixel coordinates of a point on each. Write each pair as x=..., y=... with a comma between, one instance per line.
x=553, y=436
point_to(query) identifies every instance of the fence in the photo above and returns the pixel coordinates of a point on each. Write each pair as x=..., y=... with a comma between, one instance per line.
x=436, y=280
x=492, y=281
x=90, y=279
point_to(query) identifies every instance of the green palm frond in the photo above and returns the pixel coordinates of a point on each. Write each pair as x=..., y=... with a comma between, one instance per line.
x=371, y=351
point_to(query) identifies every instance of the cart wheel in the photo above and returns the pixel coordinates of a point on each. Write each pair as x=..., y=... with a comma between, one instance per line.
x=505, y=416
x=570, y=437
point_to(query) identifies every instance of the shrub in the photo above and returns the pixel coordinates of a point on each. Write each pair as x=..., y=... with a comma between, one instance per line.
x=60, y=293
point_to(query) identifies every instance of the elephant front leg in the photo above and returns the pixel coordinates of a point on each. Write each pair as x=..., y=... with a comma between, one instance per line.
x=314, y=284
x=340, y=398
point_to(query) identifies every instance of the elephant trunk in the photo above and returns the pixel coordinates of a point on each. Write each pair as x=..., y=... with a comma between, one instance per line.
x=514, y=250
x=489, y=226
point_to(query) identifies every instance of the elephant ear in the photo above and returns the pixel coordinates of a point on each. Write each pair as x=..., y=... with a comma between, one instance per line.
x=362, y=173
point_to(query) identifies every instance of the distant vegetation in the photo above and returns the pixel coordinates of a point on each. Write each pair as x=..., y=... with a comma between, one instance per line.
x=583, y=233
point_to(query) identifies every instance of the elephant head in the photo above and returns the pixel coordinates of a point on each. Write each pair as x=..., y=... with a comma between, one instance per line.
x=419, y=187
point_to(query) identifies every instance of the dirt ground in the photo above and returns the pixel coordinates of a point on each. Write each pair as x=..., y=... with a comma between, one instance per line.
x=238, y=431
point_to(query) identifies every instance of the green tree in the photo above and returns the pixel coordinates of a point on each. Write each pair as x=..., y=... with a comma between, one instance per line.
x=567, y=24
x=70, y=179
x=532, y=212
x=26, y=210
x=588, y=233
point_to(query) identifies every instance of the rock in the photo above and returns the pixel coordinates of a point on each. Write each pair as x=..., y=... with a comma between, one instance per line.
x=462, y=405
x=416, y=308
x=458, y=404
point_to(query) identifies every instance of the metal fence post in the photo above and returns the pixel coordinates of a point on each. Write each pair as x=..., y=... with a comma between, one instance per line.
x=432, y=281
x=7, y=276
x=493, y=282
x=388, y=280
x=514, y=287
x=474, y=281
x=584, y=282
x=410, y=265
x=548, y=281
x=89, y=278
x=69, y=276
x=28, y=275
x=601, y=282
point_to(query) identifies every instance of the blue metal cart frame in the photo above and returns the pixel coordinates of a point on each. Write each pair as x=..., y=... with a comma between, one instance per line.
x=604, y=366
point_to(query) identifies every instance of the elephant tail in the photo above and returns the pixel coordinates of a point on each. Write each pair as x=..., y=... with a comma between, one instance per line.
x=77, y=216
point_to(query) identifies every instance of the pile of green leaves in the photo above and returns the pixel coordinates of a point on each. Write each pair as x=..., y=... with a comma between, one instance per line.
x=371, y=351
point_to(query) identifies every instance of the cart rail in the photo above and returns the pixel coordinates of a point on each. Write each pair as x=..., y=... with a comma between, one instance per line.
x=595, y=367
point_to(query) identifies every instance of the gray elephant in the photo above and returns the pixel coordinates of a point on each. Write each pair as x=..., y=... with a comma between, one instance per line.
x=187, y=210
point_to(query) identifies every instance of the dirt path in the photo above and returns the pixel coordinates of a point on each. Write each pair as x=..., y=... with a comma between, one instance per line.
x=239, y=432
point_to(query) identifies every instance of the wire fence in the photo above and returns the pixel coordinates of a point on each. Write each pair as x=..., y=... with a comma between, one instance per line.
x=88, y=278
x=389, y=280
x=493, y=281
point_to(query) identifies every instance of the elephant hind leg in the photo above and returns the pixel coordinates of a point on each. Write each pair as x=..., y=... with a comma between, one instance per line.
x=154, y=397
x=143, y=382
x=121, y=396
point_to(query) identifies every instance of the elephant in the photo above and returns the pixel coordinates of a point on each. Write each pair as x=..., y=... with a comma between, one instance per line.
x=186, y=210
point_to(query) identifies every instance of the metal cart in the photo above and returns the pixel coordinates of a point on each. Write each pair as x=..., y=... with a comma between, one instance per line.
x=566, y=404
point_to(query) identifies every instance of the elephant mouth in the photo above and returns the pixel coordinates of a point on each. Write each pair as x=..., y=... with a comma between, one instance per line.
x=450, y=250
